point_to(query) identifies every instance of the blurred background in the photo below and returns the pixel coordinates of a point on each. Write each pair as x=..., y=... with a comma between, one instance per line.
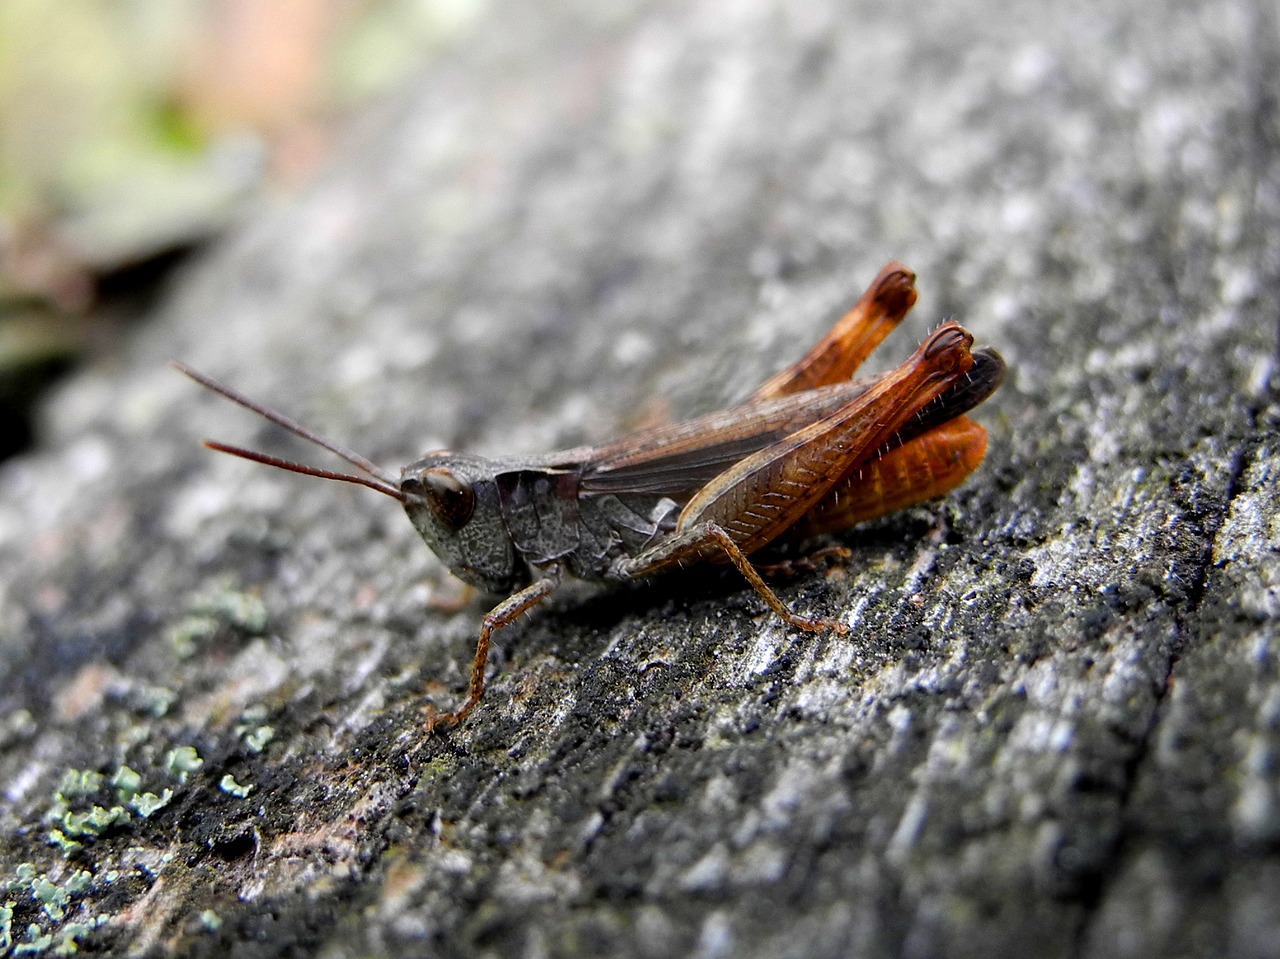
x=132, y=131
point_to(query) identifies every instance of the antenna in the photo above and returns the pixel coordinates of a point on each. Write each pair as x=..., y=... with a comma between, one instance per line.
x=381, y=480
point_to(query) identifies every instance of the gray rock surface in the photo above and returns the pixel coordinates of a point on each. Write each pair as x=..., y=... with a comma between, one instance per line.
x=1055, y=728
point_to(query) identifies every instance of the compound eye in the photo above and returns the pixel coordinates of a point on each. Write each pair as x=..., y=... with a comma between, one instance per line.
x=451, y=500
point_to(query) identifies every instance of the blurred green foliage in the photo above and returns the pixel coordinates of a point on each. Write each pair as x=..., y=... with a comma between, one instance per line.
x=131, y=129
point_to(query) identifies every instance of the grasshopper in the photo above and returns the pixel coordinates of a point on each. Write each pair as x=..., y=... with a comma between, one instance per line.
x=811, y=451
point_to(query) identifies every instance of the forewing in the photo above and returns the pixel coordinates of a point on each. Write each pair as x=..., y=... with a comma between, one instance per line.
x=679, y=459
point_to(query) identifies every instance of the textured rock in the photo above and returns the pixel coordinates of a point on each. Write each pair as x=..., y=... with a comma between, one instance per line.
x=1054, y=729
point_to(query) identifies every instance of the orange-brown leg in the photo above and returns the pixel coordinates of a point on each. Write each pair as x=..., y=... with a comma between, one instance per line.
x=501, y=615
x=839, y=354
x=924, y=468
x=811, y=623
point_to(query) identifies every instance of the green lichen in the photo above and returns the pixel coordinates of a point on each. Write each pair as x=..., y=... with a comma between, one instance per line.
x=78, y=882
x=244, y=611
x=94, y=822
x=190, y=633
x=64, y=842
x=181, y=762
x=153, y=701
x=70, y=826
x=210, y=920
x=257, y=739
x=147, y=804
x=229, y=786
x=79, y=782
x=211, y=612
x=37, y=941
x=53, y=899
x=66, y=943
x=126, y=783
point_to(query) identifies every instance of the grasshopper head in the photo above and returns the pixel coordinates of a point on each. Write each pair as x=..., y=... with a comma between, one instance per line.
x=452, y=501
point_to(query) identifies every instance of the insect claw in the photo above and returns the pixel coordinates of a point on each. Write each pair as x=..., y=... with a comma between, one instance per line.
x=816, y=624
x=436, y=720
